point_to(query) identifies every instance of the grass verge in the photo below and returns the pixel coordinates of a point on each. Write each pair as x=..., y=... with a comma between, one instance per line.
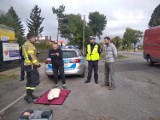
x=10, y=74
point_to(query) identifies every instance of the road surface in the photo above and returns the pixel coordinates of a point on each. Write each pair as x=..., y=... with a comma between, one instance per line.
x=136, y=97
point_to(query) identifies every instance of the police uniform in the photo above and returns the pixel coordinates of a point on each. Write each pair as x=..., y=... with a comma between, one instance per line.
x=31, y=64
x=93, y=56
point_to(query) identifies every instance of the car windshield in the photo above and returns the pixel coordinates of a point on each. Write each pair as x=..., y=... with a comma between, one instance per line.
x=69, y=54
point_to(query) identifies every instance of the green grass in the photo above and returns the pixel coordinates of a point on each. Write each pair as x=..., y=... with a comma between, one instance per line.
x=121, y=56
x=7, y=77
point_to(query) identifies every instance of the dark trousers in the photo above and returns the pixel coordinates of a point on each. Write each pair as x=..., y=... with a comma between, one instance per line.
x=92, y=65
x=22, y=69
x=110, y=73
x=32, y=77
x=61, y=72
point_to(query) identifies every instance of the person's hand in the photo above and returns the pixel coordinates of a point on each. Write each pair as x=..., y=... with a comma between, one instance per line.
x=57, y=54
x=39, y=65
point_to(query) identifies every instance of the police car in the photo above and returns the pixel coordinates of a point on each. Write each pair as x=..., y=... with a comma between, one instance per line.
x=74, y=63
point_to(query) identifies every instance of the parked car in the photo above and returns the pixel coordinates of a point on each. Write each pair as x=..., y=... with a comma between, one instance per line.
x=151, y=45
x=72, y=46
x=74, y=63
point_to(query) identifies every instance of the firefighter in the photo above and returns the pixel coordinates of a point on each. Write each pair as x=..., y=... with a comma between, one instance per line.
x=93, y=56
x=31, y=64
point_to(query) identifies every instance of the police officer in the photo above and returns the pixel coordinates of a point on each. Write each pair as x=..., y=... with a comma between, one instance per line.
x=93, y=55
x=31, y=64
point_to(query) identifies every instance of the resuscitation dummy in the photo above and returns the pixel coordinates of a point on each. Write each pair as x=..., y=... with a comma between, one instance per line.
x=53, y=93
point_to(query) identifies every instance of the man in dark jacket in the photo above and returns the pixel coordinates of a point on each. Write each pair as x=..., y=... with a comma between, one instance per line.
x=57, y=64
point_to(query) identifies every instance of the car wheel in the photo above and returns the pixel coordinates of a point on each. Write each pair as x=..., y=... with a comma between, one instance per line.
x=83, y=74
x=149, y=61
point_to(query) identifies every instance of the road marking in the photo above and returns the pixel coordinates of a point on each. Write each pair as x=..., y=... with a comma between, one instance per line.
x=11, y=104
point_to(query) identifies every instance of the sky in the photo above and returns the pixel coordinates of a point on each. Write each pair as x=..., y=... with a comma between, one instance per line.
x=120, y=14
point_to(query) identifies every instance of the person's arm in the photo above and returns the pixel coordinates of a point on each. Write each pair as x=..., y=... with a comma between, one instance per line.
x=59, y=55
x=32, y=56
x=115, y=51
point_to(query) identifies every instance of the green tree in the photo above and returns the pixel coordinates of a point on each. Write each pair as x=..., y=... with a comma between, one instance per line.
x=97, y=23
x=60, y=17
x=155, y=18
x=131, y=36
x=34, y=24
x=3, y=18
x=137, y=35
x=71, y=27
x=117, y=41
x=11, y=19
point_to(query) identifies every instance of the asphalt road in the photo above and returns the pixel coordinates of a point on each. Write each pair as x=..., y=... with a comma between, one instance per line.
x=136, y=97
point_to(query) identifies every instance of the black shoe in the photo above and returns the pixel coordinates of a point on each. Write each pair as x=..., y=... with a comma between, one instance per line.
x=28, y=99
x=34, y=97
x=96, y=82
x=65, y=87
x=22, y=79
x=111, y=87
x=106, y=83
x=87, y=81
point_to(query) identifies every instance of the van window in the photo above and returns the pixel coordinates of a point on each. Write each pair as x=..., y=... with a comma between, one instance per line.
x=69, y=54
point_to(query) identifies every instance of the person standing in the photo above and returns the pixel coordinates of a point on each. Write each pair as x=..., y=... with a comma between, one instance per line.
x=93, y=55
x=31, y=66
x=111, y=54
x=57, y=64
x=22, y=73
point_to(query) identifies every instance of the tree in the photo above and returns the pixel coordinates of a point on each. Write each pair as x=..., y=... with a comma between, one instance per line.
x=3, y=18
x=117, y=41
x=60, y=16
x=34, y=24
x=137, y=35
x=97, y=23
x=131, y=36
x=155, y=18
x=11, y=19
x=71, y=27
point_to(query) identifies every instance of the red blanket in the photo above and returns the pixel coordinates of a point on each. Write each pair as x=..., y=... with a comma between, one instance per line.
x=57, y=101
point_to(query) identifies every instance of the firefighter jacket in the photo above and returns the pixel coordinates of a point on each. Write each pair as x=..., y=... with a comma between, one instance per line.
x=29, y=53
x=93, y=55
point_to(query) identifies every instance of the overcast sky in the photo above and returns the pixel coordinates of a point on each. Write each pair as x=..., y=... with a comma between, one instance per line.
x=120, y=13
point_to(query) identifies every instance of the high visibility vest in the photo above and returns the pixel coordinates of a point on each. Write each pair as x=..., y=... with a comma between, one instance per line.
x=94, y=55
x=29, y=53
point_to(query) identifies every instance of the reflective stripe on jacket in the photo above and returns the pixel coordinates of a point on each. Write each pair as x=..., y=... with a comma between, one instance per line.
x=94, y=55
x=29, y=52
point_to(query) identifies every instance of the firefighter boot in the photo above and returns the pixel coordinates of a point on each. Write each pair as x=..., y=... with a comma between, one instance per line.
x=33, y=96
x=28, y=97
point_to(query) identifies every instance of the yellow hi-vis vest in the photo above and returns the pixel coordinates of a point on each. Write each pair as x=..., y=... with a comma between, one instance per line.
x=29, y=53
x=94, y=55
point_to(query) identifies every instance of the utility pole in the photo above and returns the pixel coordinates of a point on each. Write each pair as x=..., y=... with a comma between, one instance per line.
x=57, y=30
x=84, y=23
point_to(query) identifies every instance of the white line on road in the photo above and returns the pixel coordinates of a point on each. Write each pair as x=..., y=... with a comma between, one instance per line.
x=11, y=104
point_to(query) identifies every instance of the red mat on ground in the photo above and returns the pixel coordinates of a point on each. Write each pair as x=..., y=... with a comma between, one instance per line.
x=57, y=101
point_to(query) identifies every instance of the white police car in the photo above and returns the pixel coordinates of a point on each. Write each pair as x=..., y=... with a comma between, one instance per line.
x=74, y=63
